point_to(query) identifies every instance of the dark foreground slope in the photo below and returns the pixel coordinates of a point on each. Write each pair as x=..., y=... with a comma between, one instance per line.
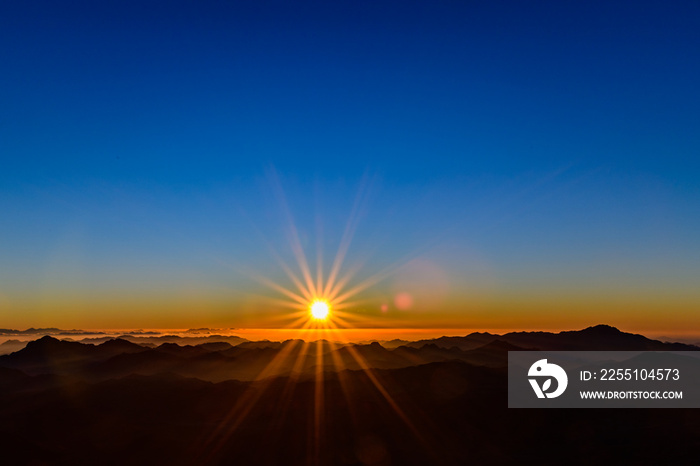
x=439, y=413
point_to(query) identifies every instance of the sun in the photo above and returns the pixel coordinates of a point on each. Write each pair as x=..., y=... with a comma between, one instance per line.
x=320, y=310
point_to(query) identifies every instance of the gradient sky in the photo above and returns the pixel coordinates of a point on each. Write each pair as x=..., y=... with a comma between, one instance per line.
x=523, y=165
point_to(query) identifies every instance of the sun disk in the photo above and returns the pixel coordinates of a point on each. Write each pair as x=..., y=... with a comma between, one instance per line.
x=320, y=310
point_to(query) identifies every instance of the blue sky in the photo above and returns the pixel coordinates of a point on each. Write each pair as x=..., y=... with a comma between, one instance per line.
x=539, y=148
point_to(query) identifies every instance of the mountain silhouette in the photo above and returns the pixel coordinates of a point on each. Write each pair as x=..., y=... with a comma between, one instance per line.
x=218, y=361
x=596, y=338
x=440, y=401
x=448, y=412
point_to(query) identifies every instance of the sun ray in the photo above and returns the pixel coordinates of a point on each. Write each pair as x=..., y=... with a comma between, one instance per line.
x=319, y=253
x=283, y=264
x=343, y=281
x=245, y=403
x=296, y=373
x=280, y=302
x=318, y=401
x=293, y=235
x=370, y=373
x=347, y=236
x=300, y=286
x=279, y=288
x=302, y=319
x=368, y=282
x=250, y=397
x=354, y=316
x=340, y=323
x=349, y=304
x=383, y=391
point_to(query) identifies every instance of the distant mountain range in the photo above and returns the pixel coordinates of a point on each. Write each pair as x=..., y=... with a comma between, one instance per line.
x=440, y=401
x=147, y=339
x=38, y=331
x=596, y=338
x=237, y=359
x=58, y=331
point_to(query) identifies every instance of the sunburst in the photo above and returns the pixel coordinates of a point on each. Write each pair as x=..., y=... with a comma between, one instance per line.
x=321, y=304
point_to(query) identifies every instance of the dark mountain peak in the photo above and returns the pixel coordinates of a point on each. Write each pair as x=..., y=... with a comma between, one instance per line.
x=471, y=341
x=48, y=343
x=168, y=345
x=47, y=350
x=215, y=346
x=117, y=346
x=116, y=343
x=392, y=344
x=180, y=350
x=430, y=346
x=374, y=346
x=602, y=329
x=596, y=338
x=46, y=339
